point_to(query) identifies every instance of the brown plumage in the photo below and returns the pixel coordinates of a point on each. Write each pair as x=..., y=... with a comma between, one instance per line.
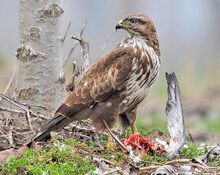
x=114, y=86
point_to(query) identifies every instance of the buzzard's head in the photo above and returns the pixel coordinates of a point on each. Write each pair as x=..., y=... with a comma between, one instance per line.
x=137, y=24
x=140, y=26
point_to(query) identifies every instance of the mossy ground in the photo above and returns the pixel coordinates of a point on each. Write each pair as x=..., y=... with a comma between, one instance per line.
x=70, y=156
x=56, y=158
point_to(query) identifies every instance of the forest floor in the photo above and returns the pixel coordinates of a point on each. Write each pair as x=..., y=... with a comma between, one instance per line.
x=81, y=155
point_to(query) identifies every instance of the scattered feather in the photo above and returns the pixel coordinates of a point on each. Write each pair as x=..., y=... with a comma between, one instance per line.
x=175, y=118
x=166, y=170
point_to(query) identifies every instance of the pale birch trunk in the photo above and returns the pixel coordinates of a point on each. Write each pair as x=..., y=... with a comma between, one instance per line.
x=40, y=55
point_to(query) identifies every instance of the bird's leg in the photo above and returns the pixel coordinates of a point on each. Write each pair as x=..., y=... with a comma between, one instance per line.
x=133, y=128
x=131, y=116
x=127, y=120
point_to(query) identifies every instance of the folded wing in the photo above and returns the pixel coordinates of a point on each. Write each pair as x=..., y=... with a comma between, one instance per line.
x=101, y=82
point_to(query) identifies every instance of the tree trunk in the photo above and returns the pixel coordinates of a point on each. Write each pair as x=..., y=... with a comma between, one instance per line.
x=40, y=55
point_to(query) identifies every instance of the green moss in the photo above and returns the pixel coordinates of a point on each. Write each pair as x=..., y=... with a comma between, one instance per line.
x=117, y=157
x=191, y=151
x=57, y=158
x=154, y=158
x=104, y=138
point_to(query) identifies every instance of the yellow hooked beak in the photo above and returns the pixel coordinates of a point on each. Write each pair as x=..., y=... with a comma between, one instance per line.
x=119, y=25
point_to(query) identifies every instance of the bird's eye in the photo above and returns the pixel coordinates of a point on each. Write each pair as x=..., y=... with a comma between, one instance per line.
x=133, y=21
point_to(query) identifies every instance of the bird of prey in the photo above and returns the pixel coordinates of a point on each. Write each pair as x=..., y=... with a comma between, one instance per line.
x=113, y=87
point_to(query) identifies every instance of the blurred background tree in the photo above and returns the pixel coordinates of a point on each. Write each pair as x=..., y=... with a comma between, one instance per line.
x=39, y=77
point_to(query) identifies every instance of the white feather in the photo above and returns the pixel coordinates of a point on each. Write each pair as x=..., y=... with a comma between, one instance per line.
x=134, y=87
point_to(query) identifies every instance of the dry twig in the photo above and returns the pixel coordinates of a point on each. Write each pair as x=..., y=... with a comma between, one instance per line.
x=149, y=167
x=178, y=161
x=112, y=171
x=84, y=53
x=73, y=48
x=29, y=120
x=4, y=109
x=114, y=137
x=65, y=35
x=22, y=106
x=84, y=58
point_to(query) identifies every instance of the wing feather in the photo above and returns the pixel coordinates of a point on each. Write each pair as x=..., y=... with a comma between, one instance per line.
x=107, y=75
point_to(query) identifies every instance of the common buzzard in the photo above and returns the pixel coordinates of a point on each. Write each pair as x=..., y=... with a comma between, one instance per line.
x=113, y=87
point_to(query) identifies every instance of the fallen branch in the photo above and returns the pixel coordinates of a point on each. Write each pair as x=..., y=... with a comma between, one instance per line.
x=22, y=106
x=4, y=109
x=14, y=102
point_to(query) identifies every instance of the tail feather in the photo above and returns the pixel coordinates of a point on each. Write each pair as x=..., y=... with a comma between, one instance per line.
x=62, y=118
x=58, y=122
